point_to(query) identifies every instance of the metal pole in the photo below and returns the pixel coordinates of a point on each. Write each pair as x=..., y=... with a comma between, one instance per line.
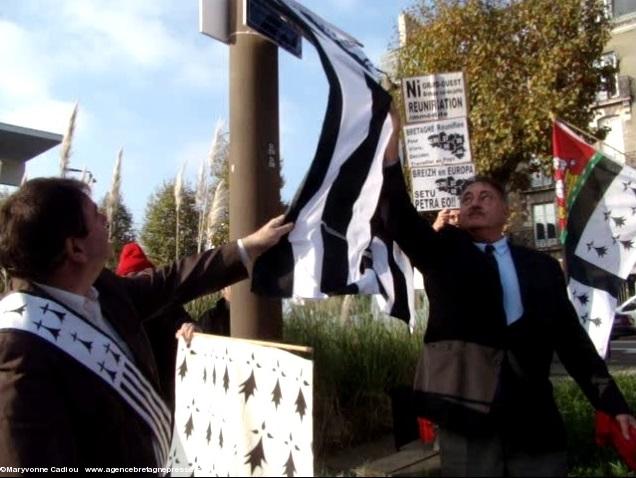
x=254, y=165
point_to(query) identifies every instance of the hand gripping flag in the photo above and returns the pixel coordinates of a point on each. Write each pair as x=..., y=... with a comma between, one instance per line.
x=600, y=229
x=333, y=249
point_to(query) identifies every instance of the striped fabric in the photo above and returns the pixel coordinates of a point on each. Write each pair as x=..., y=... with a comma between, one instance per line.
x=97, y=352
x=332, y=249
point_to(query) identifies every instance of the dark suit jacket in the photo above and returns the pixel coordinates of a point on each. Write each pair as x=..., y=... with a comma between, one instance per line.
x=216, y=320
x=53, y=411
x=161, y=329
x=477, y=374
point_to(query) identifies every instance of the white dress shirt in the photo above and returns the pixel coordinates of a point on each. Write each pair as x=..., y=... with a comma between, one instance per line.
x=88, y=308
x=508, y=277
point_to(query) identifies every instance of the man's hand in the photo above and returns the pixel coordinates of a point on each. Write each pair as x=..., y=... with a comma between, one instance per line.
x=392, y=152
x=626, y=422
x=446, y=216
x=268, y=235
x=187, y=331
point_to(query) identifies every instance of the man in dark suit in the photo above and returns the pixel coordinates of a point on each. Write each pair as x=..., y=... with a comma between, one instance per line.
x=78, y=381
x=498, y=312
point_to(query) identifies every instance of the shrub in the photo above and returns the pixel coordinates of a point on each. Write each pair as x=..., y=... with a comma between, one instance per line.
x=356, y=361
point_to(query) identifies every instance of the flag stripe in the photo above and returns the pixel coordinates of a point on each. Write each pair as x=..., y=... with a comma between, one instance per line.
x=598, y=157
x=401, y=306
x=345, y=193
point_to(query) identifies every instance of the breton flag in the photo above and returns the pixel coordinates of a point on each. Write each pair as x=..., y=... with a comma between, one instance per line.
x=333, y=249
x=600, y=235
x=241, y=409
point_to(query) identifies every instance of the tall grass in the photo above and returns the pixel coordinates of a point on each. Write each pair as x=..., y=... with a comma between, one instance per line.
x=67, y=142
x=178, y=200
x=356, y=362
x=113, y=198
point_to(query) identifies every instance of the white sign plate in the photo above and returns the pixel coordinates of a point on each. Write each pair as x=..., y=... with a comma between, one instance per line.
x=438, y=187
x=434, y=97
x=438, y=142
x=214, y=19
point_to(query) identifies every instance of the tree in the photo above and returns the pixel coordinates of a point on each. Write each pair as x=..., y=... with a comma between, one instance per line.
x=121, y=229
x=158, y=231
x=523, y=60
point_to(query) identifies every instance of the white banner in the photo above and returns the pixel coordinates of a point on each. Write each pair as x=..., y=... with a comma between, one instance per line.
x=241, y=410
x=434, y=97
x=438, y=143
x=438, y=187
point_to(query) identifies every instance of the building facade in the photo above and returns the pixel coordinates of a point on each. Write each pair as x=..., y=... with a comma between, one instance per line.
x=614, y=111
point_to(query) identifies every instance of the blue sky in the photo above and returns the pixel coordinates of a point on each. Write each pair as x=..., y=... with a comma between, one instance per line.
x=147, y=81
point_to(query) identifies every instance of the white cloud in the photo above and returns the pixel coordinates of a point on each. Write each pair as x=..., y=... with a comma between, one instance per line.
x=22, y=72
x=25, y=94
x=132, y=30
x=46, y=114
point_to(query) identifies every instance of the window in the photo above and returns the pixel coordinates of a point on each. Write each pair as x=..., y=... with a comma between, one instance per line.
x=608, y=64
x=614, y=141
x=544, y=217
x=621, y=7
x=540, y=180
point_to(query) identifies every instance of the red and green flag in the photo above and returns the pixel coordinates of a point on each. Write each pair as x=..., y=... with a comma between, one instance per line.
x=596, y=196
x=573, y=161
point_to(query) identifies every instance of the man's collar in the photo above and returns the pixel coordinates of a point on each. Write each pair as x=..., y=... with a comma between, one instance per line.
x=501, y=246
x=70, y=297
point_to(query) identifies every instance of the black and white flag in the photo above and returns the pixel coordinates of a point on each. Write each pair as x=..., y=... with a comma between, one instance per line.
x=600, y=244
x=242, y=409
x=333, y=249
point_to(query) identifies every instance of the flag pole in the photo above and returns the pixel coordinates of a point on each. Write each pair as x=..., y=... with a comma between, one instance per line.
x=589, y=135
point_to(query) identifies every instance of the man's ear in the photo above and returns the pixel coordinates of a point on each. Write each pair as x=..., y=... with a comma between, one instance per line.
x=507, y=211
x=74, y=249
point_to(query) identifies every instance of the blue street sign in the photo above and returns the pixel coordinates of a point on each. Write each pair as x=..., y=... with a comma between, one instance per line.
x=260, y=16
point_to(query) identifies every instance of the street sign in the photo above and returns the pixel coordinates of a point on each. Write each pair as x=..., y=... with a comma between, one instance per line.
x=437, y=142
x=214, y=19
x=434, y=97
x=438, y=187
x=260, y=16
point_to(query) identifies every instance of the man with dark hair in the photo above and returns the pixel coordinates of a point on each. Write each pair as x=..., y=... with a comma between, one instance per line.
x=498, y=313
x=78, y=382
